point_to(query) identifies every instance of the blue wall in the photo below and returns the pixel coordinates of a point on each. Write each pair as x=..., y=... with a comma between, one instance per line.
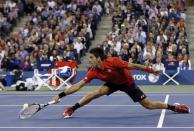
x=141, y=78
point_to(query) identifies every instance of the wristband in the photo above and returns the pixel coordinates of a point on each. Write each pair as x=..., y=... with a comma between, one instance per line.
x=62, y=94
x=149, y=69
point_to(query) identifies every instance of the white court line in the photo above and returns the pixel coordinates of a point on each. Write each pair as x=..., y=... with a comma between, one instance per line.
x=88, y=127
x=85, y=105
x=161, y=120
x=119, y=94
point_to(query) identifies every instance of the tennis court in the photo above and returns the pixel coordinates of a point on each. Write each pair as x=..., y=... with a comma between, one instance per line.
x=115, y=112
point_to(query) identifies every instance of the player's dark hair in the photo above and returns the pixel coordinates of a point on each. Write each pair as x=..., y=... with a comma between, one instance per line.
x=98, y=52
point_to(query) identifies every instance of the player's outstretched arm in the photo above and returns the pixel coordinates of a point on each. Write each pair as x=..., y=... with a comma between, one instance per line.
x=148, y=69
x=69, y=90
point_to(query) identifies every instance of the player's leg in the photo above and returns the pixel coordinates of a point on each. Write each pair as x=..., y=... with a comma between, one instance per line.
x=138, y=95
x=147, y=103
x=103, y=90
x=181, y=108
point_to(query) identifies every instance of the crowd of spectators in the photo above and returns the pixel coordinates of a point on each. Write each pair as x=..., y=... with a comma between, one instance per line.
x=143, y=31
x=11, y=11
x=149, y=32
x=57, y=30
x=9, y=14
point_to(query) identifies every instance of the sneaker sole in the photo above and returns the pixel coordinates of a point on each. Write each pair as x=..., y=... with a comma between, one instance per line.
x=176, y=104
x=189, y=110
x=67, y=117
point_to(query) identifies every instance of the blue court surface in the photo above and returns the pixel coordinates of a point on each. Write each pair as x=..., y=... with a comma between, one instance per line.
x=114, y=112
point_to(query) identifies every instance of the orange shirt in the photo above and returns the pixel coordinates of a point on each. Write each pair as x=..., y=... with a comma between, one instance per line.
x=112, y=70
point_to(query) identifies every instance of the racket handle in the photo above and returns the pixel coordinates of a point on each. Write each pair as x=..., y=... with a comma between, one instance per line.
x=51, y=102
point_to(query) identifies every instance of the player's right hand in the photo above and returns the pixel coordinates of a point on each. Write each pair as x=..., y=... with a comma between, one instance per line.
x=56, y=99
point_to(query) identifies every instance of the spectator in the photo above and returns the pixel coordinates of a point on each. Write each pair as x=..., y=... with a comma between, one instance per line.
x=185, y=64
x=78, y=45
x=158, y=65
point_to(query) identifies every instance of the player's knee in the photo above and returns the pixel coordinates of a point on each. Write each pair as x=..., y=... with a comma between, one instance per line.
x=97, y=94
x=94, y=95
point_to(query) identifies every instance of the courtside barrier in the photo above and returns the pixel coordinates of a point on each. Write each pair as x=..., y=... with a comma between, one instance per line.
x=185, y=77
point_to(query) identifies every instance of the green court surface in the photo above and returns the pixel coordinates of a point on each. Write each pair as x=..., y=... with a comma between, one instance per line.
x=160, y=88
x=145, y=88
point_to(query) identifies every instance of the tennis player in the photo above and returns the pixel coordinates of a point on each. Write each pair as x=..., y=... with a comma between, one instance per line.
x=116, y=75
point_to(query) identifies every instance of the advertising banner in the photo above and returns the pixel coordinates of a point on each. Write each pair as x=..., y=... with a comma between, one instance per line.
x=141, y=78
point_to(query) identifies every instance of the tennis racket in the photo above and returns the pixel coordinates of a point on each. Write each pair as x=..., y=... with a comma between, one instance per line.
x=32, y=109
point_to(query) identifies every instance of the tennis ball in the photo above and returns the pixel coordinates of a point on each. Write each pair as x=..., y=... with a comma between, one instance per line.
x=25, y=105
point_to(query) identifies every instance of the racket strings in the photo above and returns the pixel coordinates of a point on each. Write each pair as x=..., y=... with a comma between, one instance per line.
x=33, y=109
x=30, y=111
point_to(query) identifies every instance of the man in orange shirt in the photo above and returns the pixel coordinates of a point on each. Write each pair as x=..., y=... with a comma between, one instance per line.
x=115, y=73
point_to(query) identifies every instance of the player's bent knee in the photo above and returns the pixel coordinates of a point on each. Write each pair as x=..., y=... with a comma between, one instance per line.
x=94, y=94
x=97, y=94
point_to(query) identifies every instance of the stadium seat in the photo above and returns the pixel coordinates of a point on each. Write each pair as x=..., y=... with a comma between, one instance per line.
x=171, y=70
